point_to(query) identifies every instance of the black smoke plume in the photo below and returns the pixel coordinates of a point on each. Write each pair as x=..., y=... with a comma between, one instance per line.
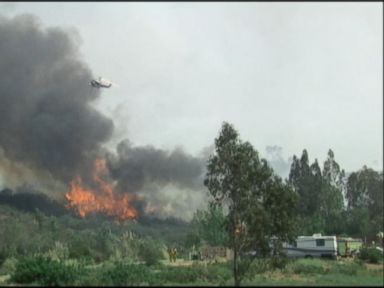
x=48, y=124
x=132, y=167
x=46, y=118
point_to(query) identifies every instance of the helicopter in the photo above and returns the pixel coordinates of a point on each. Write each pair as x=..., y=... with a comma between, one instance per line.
x=101, y=83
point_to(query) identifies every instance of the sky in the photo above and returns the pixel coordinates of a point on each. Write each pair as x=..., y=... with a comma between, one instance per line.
x=291, y=75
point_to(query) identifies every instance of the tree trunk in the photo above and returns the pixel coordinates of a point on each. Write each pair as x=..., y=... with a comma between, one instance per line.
x=235, y=268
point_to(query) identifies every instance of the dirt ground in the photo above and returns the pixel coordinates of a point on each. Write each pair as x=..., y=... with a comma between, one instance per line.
x=374, y=266
x=182, y=262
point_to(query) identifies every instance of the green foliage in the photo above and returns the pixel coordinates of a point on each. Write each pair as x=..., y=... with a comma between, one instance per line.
x=79, y=248
x=3, y=256
x=150, y=252
x=278, y=262
x=218, y=273
x=365, y=201
x=8, y=266
x=122, y=274
x=45, y=271
x=59, y=252
x=210, y=226
x=321, y=194
x=371, y=254
x=259, y=266
x=263, y=265
x=181, y=275
x=307, y=266
x=259, y=204
x=212, y=273
x=192, y=239
x=347, y=269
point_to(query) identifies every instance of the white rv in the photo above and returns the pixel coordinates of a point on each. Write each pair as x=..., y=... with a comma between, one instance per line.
x=312, y=246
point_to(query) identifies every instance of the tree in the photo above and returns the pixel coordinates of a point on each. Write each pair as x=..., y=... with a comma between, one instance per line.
x=209, y=225
x=321, y=197
x=365, y=197
x=306, y=179
x=260, y=206
x=332, y=202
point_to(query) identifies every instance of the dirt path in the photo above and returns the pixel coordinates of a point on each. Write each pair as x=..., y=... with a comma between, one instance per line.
x=374, y=266
x=182, y=262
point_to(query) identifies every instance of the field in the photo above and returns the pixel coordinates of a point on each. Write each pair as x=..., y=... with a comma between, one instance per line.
x=302, y=272
x=47, y=250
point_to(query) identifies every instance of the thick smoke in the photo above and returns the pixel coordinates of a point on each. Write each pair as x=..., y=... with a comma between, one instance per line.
x=47, y=122
x=50, y=133
x=171, y=182
x=28, y=200
x=132, y=167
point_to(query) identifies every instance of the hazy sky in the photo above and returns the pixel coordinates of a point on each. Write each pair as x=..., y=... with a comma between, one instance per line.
x=295, y=75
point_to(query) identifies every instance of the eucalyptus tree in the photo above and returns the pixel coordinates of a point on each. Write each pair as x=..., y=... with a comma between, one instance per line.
x=259, y=205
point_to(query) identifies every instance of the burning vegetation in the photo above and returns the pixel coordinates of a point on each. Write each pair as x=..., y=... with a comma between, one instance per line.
x=50, y=134
x=103, y=199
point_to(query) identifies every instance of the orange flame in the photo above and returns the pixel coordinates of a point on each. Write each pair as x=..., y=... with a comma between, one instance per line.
x=84, y=200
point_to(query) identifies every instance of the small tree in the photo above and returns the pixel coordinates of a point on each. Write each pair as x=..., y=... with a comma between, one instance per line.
x=260, y=206
x=210, y=225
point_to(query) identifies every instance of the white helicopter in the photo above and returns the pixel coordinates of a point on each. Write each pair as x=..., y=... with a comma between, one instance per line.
x=102, y=83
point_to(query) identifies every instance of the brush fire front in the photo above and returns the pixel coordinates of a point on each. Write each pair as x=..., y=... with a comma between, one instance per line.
x=103, y=199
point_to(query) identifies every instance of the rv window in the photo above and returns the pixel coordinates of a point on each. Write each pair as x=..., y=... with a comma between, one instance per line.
x=320, y=242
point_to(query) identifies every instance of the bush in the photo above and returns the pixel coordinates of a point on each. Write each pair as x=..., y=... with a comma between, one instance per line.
x=180, y=275
x=217, y=273
x=278, y=262
x=150, y=252
x=346, y=268
x=307, y=266
x=45, y=271
x=370, y=254
x=3, y=256
x=258, y=266
x=8, y=266
x=58, y=252
x=122, y=274
x=213, y=273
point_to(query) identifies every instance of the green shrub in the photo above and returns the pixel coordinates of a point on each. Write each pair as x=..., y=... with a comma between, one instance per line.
x=92, y=276
x=258, y=266
x=8, y=266
x=3, y=256
x=278, y=262
x=370, y=254
x=217, y=273
x=212, y=273
x=180, y=275
x=58, y=252
x=307, y=266
x=122, y=274
x=150, y=252
x=45, y=271
x=346, y=268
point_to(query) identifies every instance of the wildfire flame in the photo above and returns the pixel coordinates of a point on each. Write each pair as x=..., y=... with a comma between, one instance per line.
x=85, y=200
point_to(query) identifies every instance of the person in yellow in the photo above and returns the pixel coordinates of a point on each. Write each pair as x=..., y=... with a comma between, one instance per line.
x=174, y=254
x=170, y=254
